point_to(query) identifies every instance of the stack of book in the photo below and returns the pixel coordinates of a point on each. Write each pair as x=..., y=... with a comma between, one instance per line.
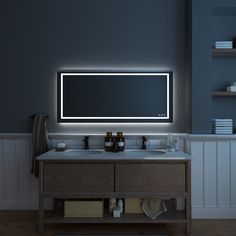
x=222, y=126
x=232, y=88
x=222, y=44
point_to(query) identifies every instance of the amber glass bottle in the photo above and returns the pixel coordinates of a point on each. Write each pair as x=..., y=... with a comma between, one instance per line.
x=108, y=141
x=120, y=140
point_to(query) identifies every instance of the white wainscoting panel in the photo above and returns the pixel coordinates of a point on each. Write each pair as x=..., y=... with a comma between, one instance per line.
x=18, y=188
x=213, y=173
x=197, y=153
x=223, y=149
x=213, y=178
x=233, y=174
x=210, y=174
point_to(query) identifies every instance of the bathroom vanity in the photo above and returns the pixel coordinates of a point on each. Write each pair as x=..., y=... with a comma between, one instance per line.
x=75, y=174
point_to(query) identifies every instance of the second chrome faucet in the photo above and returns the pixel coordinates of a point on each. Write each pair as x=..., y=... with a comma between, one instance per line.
x=144, y=142
x=86, y=142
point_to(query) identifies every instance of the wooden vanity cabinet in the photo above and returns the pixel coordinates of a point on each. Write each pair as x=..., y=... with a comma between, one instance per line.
x=69, y=179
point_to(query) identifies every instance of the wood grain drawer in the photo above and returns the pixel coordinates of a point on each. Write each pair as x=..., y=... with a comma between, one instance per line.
x=150, y=178
x=78, y=177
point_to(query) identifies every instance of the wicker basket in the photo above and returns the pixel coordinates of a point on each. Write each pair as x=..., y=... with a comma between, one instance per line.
x=133, y=205
x=83, y=208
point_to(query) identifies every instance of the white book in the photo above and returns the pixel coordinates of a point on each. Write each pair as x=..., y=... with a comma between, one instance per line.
x=222, y=125
x=216, y=119
x=222, y=42
x=222, y=128
x=223, y=47
x=222, y=122
x=219, y=132
x=223, y=133
x=226, y=126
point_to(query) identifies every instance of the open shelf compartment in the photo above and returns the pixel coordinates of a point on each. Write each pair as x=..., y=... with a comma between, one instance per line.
x=171, y=216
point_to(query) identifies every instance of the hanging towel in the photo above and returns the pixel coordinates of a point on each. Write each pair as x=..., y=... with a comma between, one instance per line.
x=39, y=140
x=153, y=207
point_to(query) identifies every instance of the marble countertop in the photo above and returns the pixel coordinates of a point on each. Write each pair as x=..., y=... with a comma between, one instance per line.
x=100, y=154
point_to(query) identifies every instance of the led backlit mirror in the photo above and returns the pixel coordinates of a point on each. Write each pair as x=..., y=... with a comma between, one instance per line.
x=114, y=97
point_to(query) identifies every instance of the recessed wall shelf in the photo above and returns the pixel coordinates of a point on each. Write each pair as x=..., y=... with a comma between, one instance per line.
x=223, y=94
x=219, y=52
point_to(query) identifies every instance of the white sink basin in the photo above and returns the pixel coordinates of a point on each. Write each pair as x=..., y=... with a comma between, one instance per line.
x=146, y=152
x=83, y=152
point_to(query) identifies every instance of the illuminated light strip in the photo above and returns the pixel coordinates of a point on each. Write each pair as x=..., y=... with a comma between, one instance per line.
x=62, y=96
x=117, y=74
x=168, y=87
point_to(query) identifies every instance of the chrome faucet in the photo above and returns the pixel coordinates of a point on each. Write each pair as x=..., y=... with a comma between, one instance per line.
x=144, y=142
x=86, y=142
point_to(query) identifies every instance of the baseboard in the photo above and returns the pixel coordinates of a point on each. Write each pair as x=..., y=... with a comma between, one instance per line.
x=214, y=213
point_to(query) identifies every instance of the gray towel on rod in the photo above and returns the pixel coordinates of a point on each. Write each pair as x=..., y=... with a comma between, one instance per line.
x=39, y=140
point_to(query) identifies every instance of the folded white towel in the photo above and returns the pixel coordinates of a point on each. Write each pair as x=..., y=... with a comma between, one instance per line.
x=153, y=207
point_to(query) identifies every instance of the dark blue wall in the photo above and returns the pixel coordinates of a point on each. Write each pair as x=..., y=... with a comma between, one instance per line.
x=201, y=63
x=38, y=38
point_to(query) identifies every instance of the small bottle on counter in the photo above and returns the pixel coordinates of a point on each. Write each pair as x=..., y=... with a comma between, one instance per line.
x=120, y=140
x=112, y=204
x=108, y=142
x=120, y=205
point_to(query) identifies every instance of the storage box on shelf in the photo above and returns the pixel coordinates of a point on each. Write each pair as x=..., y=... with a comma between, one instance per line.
x=133, y=205
x=83, y=208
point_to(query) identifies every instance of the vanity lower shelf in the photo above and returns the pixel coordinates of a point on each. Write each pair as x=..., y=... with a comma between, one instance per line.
x=167, y=217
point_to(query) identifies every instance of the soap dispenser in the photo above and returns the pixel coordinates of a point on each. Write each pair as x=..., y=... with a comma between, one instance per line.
x=120, y=205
